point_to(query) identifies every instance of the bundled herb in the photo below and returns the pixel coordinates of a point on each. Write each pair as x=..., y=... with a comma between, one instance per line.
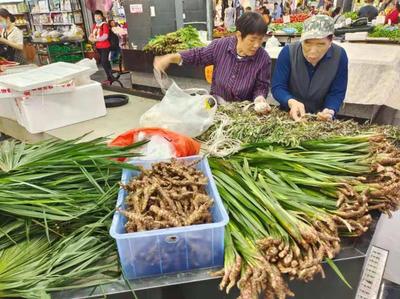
x=56, y=202
x=238, y=123
x=183, y=39
x=273, y=235
x=33, y=268
x=57, y=180
x=289, y=206
x=169, y=195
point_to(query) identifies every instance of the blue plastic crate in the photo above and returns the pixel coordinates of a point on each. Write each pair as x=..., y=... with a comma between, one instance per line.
x=157, y=252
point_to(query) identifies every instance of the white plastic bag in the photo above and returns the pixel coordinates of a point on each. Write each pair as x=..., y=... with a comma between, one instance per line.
x=85, y=79
x=190, y=112
x=272, y=42
x=157, y=148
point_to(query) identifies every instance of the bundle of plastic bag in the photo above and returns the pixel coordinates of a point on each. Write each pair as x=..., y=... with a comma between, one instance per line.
x=190, y=112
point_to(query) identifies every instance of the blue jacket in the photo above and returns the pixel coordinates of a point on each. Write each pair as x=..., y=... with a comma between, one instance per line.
x=281, y=78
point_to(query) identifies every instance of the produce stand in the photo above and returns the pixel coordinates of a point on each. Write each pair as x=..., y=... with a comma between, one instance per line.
x=303, y=201
x=141, y=61
x=140, y=64
x=200, y=284
x=67, y=51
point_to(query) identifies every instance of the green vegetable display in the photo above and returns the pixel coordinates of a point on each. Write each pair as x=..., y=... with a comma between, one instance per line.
x=57, y=199
x=292, y=191
x=183, y=39
x=353, y=15
x=238, y=123
x=390, y=32
x=280, y=27
x=66, y=53
x=288, y=207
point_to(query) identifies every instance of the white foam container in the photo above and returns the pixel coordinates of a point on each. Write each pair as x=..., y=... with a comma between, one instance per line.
x=7, y=108
x=44, y=76
x=43, y=113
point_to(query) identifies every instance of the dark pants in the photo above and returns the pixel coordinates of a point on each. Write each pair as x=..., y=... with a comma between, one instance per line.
x=105, y=62
x=115, y=55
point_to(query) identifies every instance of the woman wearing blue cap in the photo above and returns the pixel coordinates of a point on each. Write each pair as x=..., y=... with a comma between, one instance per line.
x=311, y=75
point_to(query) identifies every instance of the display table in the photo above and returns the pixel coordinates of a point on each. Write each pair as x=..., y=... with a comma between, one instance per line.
x=377, y=40
x=374, y=76
x=200, y=284
x=141, y=61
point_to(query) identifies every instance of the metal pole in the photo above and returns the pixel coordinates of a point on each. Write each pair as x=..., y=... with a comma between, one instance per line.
x=87, y=17
x=347, y=5
x=210, y=18
x=179, y=14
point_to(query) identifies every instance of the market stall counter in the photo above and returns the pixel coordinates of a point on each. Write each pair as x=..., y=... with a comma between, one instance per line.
x=196, y=283
x=142, y=61
x=201, y=284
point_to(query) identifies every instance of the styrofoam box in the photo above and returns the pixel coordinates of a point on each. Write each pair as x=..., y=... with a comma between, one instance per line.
x=43, y=76
x=43, y=113
x=171, y=250
x=7, y=108
x=356, y=36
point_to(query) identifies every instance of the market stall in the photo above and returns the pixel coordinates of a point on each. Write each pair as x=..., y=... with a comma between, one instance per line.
x=140, y=61
x=380, y=34
x=187, y=197
x=200, y=282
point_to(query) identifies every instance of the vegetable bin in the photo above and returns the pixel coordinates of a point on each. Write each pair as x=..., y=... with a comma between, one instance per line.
x=171, y=250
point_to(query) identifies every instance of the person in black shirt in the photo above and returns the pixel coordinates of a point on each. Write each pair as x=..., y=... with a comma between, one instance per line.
x=368, y=11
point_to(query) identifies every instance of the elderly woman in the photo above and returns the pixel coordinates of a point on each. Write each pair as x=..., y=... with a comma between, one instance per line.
x=242, y=69
x=311, y=75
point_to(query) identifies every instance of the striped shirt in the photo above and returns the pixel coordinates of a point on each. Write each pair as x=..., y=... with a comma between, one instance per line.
x=234, y=78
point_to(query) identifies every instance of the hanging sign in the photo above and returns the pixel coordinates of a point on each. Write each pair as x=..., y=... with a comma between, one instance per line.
x=136, y=8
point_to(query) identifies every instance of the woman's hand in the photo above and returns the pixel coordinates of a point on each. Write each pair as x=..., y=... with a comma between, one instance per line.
x=326, y=115
x=161, y=63
x=261, y=106
x=297, y=109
